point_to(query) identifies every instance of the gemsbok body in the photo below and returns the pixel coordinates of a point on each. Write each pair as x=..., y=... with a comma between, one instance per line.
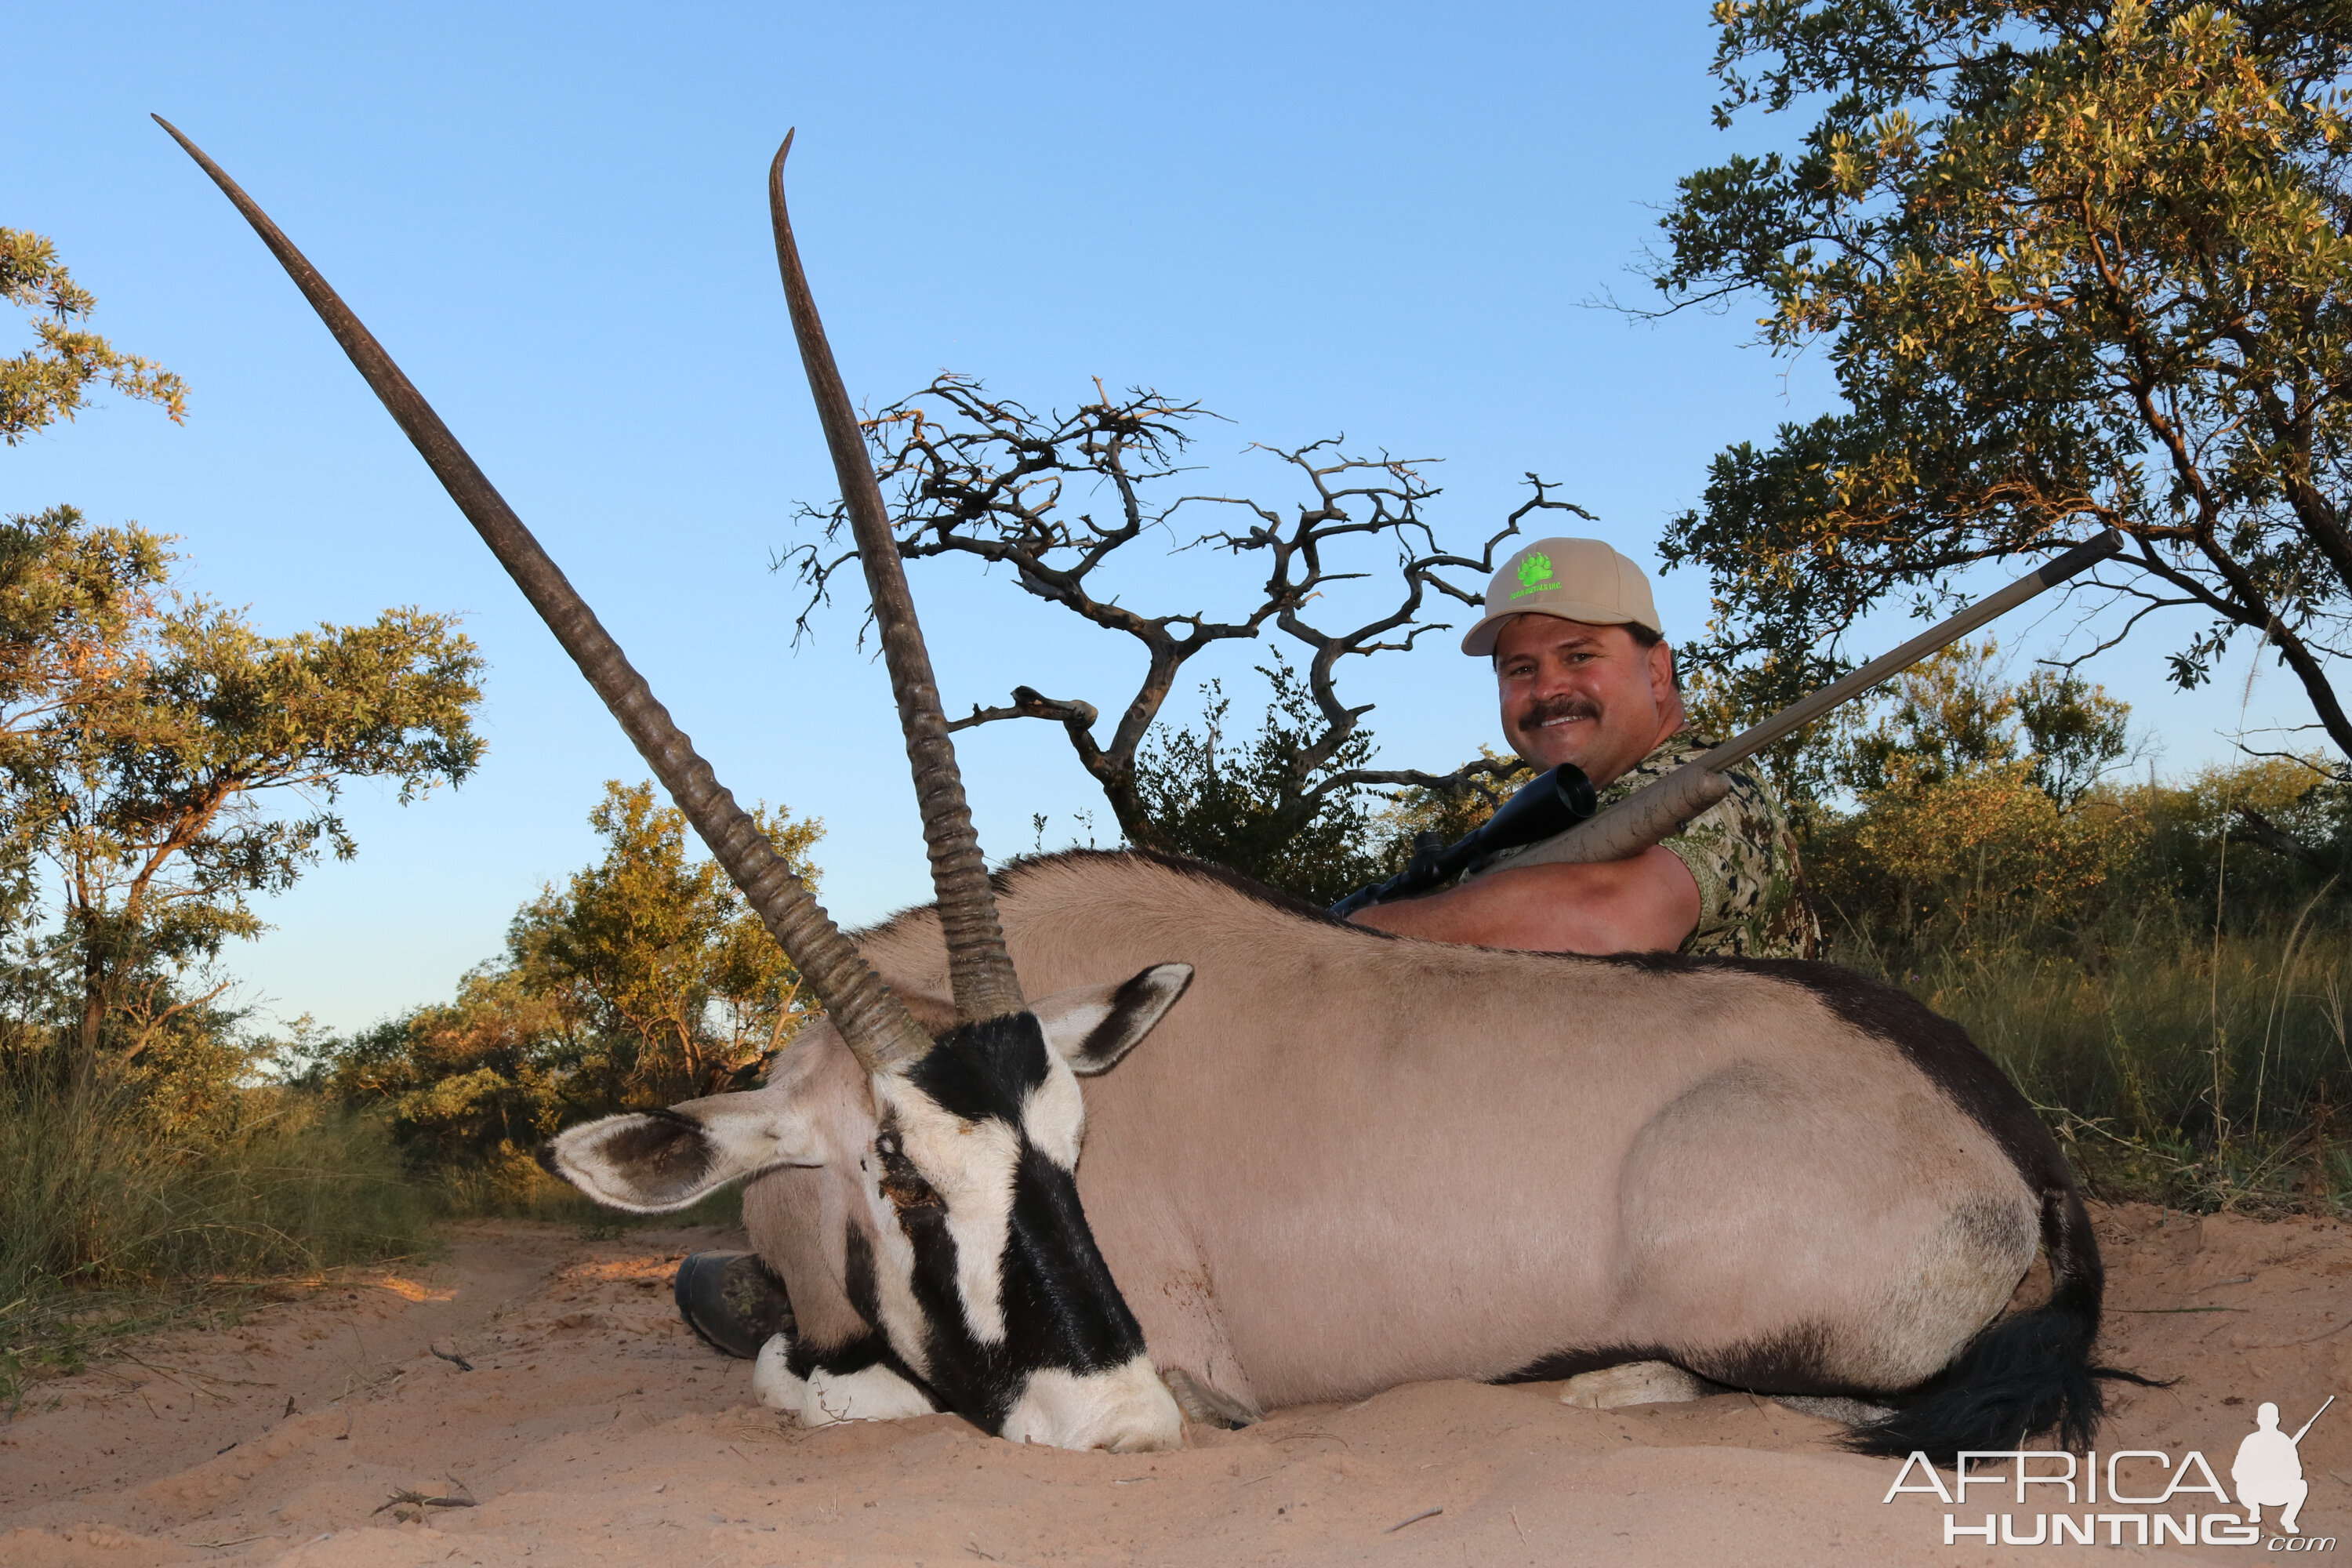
x=1341, y=1159
x=1345, y=1161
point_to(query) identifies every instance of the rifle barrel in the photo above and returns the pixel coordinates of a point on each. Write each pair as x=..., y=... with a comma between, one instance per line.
x=1663, y=807
x=1789, y=719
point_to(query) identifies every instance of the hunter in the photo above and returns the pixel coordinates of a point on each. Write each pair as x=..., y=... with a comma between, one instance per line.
x=1585, y=675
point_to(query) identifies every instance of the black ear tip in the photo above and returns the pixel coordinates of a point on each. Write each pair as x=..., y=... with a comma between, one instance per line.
x=545, y=1155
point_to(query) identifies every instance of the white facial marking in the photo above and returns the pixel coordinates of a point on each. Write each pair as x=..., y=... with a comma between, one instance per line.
x=1127, y=1410
x=970, y=1164
x=823, y=1398
x=1054, y=1115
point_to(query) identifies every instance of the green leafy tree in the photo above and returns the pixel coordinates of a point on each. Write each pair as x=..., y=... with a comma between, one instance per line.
x=1256, y=807
x=156, y=781
x=1973, y=815
x=2074, y=265
x=73, y=598
x=1956, y=712
x=678, y=986
x=51, y=381
x=642, y=981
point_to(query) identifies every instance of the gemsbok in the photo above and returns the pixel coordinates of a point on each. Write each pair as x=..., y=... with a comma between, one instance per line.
x=1343, y=1160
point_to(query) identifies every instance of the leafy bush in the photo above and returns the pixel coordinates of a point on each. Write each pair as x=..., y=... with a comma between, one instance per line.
x=645, y=981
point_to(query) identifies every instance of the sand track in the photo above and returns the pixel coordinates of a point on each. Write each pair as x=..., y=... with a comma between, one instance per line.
x=593, y=1429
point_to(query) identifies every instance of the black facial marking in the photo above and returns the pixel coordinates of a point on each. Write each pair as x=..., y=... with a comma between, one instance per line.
x=866, y=1351
x=981, y=1070
x=862, y=1349
x=858, y=1276
x=1062, y=1309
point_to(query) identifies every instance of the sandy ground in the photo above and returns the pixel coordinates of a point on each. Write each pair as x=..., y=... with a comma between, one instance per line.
x=593, y=1429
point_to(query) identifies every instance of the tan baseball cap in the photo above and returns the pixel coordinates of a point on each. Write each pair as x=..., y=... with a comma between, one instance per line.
x=1571, y=579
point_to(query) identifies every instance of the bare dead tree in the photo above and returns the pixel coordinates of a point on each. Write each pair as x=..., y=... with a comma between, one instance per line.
x=1055, y=496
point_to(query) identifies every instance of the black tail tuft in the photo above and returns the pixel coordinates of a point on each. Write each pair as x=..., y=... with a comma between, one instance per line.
x=2024, y=1375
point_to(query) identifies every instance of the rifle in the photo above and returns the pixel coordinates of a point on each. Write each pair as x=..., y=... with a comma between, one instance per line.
x=1658, y=811
x=1543, y=809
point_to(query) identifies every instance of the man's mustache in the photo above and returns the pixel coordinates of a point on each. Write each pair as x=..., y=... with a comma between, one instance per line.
x=1544, y=710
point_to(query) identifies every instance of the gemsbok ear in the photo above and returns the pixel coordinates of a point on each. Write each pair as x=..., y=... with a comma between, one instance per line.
x=1094, y=1026
x=654, y=1161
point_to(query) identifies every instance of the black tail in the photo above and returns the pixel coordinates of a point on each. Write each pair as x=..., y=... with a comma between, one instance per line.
x=2025, y=1375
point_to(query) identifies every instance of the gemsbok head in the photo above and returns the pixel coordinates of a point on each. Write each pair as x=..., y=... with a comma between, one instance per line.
x=985, y=1276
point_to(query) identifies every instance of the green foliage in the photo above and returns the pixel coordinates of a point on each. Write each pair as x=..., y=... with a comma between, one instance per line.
x=109, y=1225
x=51, y=382
x=2074, y=265
x=1449, y=814
x=143, y=1157
x=148, y=769
x=1250, y=808
x=659, y=956
x=2185, y=1069
x=2165, y=989
x=645, y=981
x=275, y=1179
x=1954, y=713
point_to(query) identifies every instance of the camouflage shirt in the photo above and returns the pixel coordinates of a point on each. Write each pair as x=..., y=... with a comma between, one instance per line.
x=1751, y=896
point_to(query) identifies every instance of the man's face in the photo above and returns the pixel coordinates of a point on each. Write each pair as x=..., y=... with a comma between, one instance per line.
x=1586, y=695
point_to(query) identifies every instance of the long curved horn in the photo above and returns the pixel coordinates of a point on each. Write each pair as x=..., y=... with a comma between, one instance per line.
x=979, y=969
x=874, y=1022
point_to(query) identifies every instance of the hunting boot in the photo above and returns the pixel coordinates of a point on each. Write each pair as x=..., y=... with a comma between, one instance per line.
x=732, y=1301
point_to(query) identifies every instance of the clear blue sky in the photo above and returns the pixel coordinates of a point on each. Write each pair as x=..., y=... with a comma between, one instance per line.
x=1377, y=219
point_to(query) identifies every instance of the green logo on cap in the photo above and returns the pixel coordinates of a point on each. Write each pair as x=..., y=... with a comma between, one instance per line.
x=1535, y=576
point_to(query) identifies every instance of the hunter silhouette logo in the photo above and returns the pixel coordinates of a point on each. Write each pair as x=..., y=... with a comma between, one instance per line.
x=2269, y=1467
x=1535, y=576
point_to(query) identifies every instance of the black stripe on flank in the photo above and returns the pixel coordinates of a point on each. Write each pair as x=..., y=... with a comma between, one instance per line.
x=1789, y=1361
x=1559, y=1366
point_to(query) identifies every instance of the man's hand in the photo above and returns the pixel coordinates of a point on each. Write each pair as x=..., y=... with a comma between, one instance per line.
x=1646, y=904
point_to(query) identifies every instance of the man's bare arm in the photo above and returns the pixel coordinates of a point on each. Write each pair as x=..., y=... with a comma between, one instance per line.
x=1646, y=904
